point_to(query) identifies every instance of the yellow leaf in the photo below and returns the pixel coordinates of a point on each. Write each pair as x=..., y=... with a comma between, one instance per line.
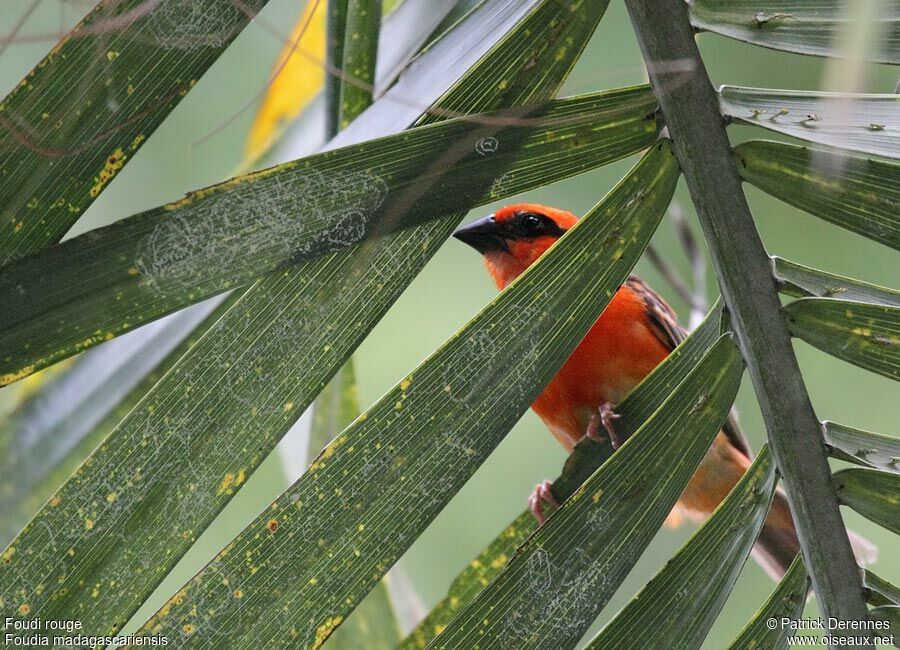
x=298, y=77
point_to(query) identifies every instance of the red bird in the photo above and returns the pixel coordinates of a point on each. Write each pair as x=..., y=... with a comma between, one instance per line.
x=636, y=331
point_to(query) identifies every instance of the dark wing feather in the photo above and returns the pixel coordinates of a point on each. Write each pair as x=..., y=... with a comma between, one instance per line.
x=665, y=325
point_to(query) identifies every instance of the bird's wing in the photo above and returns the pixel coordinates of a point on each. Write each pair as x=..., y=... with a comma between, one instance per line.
x=661, y=317
x=665, y=325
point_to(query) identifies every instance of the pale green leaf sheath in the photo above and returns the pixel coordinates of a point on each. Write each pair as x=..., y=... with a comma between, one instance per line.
x=358, y=61
x=803, y=281
x=566, y=572
x=862, y=447
x=587, y=456
x=880, y=591
x=682, y=601
x=71, y=125
x=786, y=602
x=865, y=123
x=802, y=27
x=372, y=492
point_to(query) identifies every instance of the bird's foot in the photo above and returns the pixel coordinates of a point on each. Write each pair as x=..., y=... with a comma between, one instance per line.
x=604, y=416
x=542, y=493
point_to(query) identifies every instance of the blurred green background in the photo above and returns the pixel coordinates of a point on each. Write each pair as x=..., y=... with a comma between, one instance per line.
x=203, y=143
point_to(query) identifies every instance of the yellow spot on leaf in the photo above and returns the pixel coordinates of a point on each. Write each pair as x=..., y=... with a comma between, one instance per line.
x=499, y=562
x=88, y=524
x=10, y=377
x=24, y=608
x=113, y=164
x=325, y=630
x=226, y=484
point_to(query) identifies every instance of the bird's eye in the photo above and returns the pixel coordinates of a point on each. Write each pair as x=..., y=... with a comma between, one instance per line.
x=532, y=223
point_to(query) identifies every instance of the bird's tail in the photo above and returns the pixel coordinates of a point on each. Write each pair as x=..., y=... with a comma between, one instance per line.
x=777, y=545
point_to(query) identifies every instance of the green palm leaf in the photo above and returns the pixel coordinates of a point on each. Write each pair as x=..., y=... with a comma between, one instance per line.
x=283, y=319
x=373, y=624
x=404, y=458
x=84, y=111
x=846, y=189
x=587, y=456
x=682, y=601
x=880, y=591
x=566, y=572
x=217, y=239
x=865, y=334
x=50, y=435
x=873, y=494
x=890, y=614
x=785, y=603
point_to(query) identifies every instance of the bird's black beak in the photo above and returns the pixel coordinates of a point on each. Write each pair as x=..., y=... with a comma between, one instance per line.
x=484, y=235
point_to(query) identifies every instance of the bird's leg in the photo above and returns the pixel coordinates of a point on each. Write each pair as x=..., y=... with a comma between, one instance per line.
x=542, y=492
x=607, y=415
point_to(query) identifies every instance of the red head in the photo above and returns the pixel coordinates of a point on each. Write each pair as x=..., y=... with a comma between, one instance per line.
x=512, y=238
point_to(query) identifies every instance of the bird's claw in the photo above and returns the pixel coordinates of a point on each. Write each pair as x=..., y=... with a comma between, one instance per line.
x=607, y=415
x=541, y=493
x=604, y=416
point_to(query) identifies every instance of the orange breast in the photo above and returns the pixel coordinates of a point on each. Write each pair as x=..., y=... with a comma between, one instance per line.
x=620, y=349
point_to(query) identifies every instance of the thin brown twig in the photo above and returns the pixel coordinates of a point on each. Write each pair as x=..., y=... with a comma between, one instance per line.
x=19, y=24
x=274, y=75
x=699, y=303
x=695, y=297
x=669, y=275
x=104, y=26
